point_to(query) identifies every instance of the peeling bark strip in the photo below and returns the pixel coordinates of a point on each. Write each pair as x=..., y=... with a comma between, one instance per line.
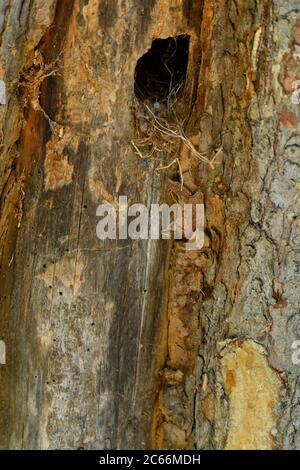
x=140, y=344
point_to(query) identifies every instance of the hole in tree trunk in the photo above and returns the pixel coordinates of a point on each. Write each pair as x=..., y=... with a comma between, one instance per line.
x=161, y=71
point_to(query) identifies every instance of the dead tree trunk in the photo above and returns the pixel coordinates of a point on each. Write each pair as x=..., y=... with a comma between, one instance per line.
x=139, y=343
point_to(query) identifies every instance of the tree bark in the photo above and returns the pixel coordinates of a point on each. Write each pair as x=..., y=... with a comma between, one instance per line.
x=136, y=344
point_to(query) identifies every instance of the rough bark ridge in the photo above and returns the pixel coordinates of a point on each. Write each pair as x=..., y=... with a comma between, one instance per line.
x=139, y=344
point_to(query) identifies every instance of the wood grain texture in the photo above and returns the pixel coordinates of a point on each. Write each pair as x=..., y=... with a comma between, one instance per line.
x=119, y=344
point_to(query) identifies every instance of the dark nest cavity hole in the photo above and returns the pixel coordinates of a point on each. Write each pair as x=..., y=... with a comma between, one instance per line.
x=161, y=72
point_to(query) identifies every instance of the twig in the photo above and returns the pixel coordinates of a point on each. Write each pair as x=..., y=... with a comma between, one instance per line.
x=144, y=157
x=176, y=160
x=216, y=156
x=178, y=135
x=160, y=133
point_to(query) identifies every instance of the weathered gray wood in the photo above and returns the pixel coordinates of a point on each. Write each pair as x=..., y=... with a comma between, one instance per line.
x=130, y=344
